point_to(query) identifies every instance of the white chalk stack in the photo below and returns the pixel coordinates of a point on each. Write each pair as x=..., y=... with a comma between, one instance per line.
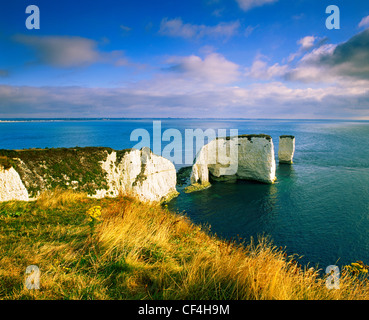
x=286, y=149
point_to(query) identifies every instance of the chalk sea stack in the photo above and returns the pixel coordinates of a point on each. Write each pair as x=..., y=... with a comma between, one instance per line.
x=247, y=157
x=286, y=149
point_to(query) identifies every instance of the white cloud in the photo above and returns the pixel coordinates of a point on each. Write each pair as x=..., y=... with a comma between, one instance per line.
x=249, y=4
x=337, y=73
x=262, y=71
x=328, y=81
x=178, y=97
x=249, y=30
x=176, y=28
x=317, y=54
x=309, y=68
x=68, y=51
x=125, y=28
x=364, y=22
x=345, y=62
x=214, y=68
x=307, y=42
x=194, y=86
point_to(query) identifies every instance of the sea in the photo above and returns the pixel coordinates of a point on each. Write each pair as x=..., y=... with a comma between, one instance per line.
x=318, y=209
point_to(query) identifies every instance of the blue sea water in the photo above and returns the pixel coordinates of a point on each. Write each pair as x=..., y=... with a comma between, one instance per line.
x=318, y=208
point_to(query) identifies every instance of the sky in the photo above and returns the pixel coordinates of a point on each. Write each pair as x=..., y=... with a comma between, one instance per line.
x=187, y=59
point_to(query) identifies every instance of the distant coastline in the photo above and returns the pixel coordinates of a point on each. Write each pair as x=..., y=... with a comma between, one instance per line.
x=12, y=120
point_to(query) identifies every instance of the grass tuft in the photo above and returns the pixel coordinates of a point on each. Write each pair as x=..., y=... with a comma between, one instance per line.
x=58, y=198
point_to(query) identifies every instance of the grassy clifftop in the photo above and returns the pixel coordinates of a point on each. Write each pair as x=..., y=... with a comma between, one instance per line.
x=66, y=168
x=123, y=249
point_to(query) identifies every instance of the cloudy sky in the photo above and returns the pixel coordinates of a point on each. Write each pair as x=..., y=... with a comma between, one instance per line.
x=193, y=58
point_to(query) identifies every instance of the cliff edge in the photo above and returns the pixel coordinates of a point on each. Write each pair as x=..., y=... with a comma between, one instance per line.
x=98, y=171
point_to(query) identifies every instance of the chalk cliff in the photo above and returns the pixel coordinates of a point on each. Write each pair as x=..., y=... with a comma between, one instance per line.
x=98, y=171
x=249, y=157
x=140, y=173
x=11, y=185
x=286, y=149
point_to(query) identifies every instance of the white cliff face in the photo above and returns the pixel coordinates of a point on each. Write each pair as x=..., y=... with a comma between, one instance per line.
x=286, y=149
x=11, y=186
x=256, y=159
x=158, y=178
x=142, y=174
x=249, y=157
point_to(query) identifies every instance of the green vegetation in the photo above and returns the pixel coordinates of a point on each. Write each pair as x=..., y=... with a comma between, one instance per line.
x=123, y=249
x=250, y=136
x=183, y=175
x=287, y=136
x=197, y=187
x=141, y=176
x=170, y=196
x=6, y=162
x=120, y=154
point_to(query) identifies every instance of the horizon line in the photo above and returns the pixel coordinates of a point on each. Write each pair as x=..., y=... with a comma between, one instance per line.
x=14, y=119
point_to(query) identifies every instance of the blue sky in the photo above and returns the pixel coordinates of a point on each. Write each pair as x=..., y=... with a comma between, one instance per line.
x=203, y=58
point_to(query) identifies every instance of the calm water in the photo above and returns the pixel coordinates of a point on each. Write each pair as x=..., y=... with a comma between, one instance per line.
x=318, y=208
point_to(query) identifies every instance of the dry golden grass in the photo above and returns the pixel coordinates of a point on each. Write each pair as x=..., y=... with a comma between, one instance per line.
x=58, y=198
x=141, y=251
